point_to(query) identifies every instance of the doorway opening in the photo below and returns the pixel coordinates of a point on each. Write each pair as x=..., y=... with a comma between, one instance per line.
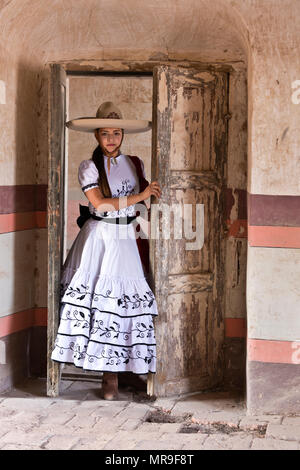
x=85, y=92
x=74, y=95
x=188, y=155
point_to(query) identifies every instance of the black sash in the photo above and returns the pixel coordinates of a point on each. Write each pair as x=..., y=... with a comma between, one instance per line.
x=115, y=220
x=85, y=215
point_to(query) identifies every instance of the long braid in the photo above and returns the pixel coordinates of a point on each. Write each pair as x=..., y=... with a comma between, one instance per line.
x=98, y=159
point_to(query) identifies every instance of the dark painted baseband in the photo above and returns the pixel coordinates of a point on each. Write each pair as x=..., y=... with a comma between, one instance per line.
x=235, y=364
x=23, y=198
x=283, y=211
x=15, y=361
x=273, y=388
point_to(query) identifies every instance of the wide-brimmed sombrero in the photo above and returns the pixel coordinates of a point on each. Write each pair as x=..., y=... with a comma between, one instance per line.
x=109, y=115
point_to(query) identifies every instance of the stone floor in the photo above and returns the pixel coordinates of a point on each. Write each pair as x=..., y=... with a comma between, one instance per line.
x=80, y=420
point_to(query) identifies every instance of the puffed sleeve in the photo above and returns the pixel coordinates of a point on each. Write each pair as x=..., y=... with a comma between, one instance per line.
x=88, y=175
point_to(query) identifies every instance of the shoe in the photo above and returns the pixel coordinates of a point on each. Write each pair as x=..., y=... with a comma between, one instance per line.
x=110, y=385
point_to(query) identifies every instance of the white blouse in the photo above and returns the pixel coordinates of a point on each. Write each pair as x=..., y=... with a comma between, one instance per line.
x=122, y=178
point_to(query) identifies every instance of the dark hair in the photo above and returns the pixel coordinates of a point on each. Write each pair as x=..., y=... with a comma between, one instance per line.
x=98, y=159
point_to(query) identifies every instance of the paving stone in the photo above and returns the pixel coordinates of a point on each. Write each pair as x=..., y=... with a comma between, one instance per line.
x=19, y=447
x=108, y=411
x=135, y=410
x=293, y=420
x=122, y=440
x=274, y=444
x=7, y=412
x=59, y=405
x=236, y=441
x=170, y=427
x=4, y=430
x=138, y=435
x=130, y=424
x=197, y=444
x=56, y=418
x=160, y=427
x=187, y=440
x=91, y=443
x=78, y=419
x=22, y=416
x=156, y=445
x=149, y=427
x=109, y=424
x=61, y=442
x=18, y=437
x=82, y=421
x=200, y=404
x=287, y=432
x=15, y=426
x=53, y=429
x=230, y=418
x=103, y=404
x=16, y=403
x=252, y=422
x=22, y=420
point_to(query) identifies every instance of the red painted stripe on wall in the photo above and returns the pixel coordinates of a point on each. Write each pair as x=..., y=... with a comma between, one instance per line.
x=280, y=352
x=22, y=221
x=280, y=237
x=235, y=327
x=22, y=320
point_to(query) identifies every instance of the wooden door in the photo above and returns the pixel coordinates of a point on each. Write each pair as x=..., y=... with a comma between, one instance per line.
x=189, y=161
x=56, y=209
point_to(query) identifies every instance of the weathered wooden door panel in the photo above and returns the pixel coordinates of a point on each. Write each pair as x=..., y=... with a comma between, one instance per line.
x=190, y=261
x=189, y=161
x=56, y=177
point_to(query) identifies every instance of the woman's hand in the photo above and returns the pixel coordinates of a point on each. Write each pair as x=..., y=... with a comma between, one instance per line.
x=153, y=189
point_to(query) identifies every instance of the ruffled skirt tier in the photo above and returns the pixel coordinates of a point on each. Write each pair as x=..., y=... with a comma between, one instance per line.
x=107, y=306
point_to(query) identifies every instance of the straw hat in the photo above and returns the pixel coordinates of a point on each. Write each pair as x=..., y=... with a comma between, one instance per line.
x=108, y=115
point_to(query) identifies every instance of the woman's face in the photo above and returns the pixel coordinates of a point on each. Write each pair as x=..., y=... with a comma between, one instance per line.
x=110, y=140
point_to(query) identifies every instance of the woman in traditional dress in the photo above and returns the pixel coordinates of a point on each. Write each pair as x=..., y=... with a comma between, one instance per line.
x=107, y=306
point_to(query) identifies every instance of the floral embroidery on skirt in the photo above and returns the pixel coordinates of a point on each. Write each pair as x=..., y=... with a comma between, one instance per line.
x=107, y=306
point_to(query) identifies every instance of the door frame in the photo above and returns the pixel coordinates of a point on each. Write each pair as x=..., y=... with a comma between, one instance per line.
x=56, y=199
x=57, y=106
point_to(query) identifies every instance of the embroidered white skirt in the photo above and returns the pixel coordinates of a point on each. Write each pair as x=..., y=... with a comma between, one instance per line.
x=107, y=307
